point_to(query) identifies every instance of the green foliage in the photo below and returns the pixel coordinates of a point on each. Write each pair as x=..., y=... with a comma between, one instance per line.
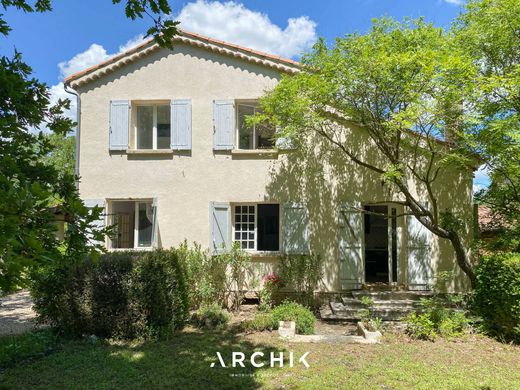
x=235, y=261
x=301, y=273
x=488, y=30
x=262, y=321
x=35, y=173
x=366, y=315
x=211, y=316
x=121, y=295
x=14, y=349
x=497, y=295
x=292, y=311
x=271, y=283
x=438, y=318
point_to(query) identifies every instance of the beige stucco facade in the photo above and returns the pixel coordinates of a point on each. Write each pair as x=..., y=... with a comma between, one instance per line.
x=186, y=182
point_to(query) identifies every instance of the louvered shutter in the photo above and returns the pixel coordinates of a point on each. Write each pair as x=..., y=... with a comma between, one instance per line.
x=220, y=227
x=180, y=124
x=223, y=124
x=119, y=122
x=295, y=229
x=351, y=233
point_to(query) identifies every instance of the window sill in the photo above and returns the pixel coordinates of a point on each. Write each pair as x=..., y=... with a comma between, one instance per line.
x=140, y=249
x=255, y=152
x=264, y=254
x=149, y=151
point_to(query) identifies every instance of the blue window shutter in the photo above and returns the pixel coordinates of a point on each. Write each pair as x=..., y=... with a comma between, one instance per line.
x=155, y=228
x=119, y=114
x=223, y=124
x=100, y=223
x=284, y=143
x=420, y=271
x=220, y=226
x=350, y=240
x=181, y=124
x=295, y=229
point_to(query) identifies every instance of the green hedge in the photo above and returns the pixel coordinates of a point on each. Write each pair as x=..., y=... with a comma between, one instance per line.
x=292, y=311
x=121, y=295
x=497, y=295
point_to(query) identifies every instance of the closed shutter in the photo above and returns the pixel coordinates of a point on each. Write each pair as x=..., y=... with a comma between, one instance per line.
x=351, y=234
x=99, y=223
x=223, y=123
x=220, y=226
x=181, y=124
x=295, y=229
x=284, y=143
x=420, y=272
x=155, y=227
x=119, y=113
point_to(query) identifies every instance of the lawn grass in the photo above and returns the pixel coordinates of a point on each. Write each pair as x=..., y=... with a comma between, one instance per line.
x=475, y=362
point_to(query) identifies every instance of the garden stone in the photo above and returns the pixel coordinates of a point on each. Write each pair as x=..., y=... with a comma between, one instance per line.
x=368, y=335
x=287, y=329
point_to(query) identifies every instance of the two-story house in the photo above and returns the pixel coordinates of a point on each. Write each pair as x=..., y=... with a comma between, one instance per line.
x=165, y=148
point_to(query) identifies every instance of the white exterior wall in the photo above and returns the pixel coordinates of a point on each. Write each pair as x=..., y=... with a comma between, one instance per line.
x=185, y=183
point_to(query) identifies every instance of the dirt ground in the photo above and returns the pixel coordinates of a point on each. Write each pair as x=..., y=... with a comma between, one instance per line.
x=16, y=314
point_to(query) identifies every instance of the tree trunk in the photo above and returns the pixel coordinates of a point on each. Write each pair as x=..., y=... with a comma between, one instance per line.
x=462, y=258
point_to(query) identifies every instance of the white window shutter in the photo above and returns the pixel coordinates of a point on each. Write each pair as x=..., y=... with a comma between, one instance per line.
x=100, y=223
x=119, y=123
x=155, y=229
x=223, y=124
x=350, y=241
x=420, y=271
x=284, y=143
x=295, y=229
x=220, y=225
x=180, y=124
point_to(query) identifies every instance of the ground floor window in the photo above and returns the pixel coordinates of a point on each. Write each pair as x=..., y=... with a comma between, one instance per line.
x=132, y=224
x=257, y=226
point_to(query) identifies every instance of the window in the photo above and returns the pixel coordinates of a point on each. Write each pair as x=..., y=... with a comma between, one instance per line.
x=133, y=224
x=257, y=226
x=257, y=136
x=153, y=126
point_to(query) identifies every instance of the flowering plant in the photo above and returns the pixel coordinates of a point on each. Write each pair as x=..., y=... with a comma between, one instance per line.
x=271, y=283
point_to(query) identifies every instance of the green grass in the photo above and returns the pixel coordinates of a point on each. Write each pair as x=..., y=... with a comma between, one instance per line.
x=30, y=345
x=184, y=362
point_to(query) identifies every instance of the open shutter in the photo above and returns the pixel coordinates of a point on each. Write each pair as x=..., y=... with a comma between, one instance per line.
x=420, y=272
x=100, y=223
x=351, y=234
x=155, y=229
x=295, y=229
x=180, y=124
x=119, y=113
x=223, y=121
x=284, y=143
x=220, y=224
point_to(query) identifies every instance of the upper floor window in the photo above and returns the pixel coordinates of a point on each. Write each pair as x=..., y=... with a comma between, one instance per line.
x=153, y=126
x=256, y=136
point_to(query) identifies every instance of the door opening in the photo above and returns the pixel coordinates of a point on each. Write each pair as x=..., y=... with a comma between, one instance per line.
x=376, y=244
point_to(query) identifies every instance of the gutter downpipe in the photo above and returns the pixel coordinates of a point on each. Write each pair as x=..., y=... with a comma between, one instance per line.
x=69, y=90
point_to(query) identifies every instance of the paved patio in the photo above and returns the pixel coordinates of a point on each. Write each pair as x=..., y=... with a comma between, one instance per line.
x=16, y=314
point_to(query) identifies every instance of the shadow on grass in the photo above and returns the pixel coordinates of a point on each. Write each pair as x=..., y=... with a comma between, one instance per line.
x=182, y=362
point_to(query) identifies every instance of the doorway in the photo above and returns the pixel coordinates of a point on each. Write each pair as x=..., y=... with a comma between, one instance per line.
x=376, y=224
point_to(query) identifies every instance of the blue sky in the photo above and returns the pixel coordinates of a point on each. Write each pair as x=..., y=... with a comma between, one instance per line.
x=78, y=33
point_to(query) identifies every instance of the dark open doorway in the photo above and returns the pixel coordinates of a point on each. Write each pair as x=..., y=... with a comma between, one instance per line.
x=376, y=244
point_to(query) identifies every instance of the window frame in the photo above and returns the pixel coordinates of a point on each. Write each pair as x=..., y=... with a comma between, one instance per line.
x=135, y=247
x=154, y=104
x=254, y=103
x=255, y=249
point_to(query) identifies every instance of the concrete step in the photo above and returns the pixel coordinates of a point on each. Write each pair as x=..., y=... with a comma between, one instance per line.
x=356, y=303
x=385, y=313
x=392, y=295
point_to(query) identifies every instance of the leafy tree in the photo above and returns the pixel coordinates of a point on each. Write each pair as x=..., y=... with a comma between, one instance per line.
x=490, y=31
x=62, y=152
x=30, y=181
x=402, y=84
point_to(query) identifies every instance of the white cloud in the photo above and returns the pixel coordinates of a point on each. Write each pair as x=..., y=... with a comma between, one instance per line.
x=135, y=41
x=481, y=178
x=233, y=22
x=92, y=56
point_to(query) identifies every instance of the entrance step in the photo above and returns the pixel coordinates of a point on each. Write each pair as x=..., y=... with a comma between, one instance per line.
x=388, y=305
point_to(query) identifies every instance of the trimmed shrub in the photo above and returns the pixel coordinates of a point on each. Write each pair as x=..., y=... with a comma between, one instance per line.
x=496, y=297
x=292, y=311
x=123, y=295
x=261, y=321
x=211, y=317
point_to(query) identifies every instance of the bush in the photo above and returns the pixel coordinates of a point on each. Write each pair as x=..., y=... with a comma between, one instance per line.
x=261, y=322
x=123, y=295
x=438, y=319
x=292, y=311
x=496, y=297
x=211, y=317
x=301, y=273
